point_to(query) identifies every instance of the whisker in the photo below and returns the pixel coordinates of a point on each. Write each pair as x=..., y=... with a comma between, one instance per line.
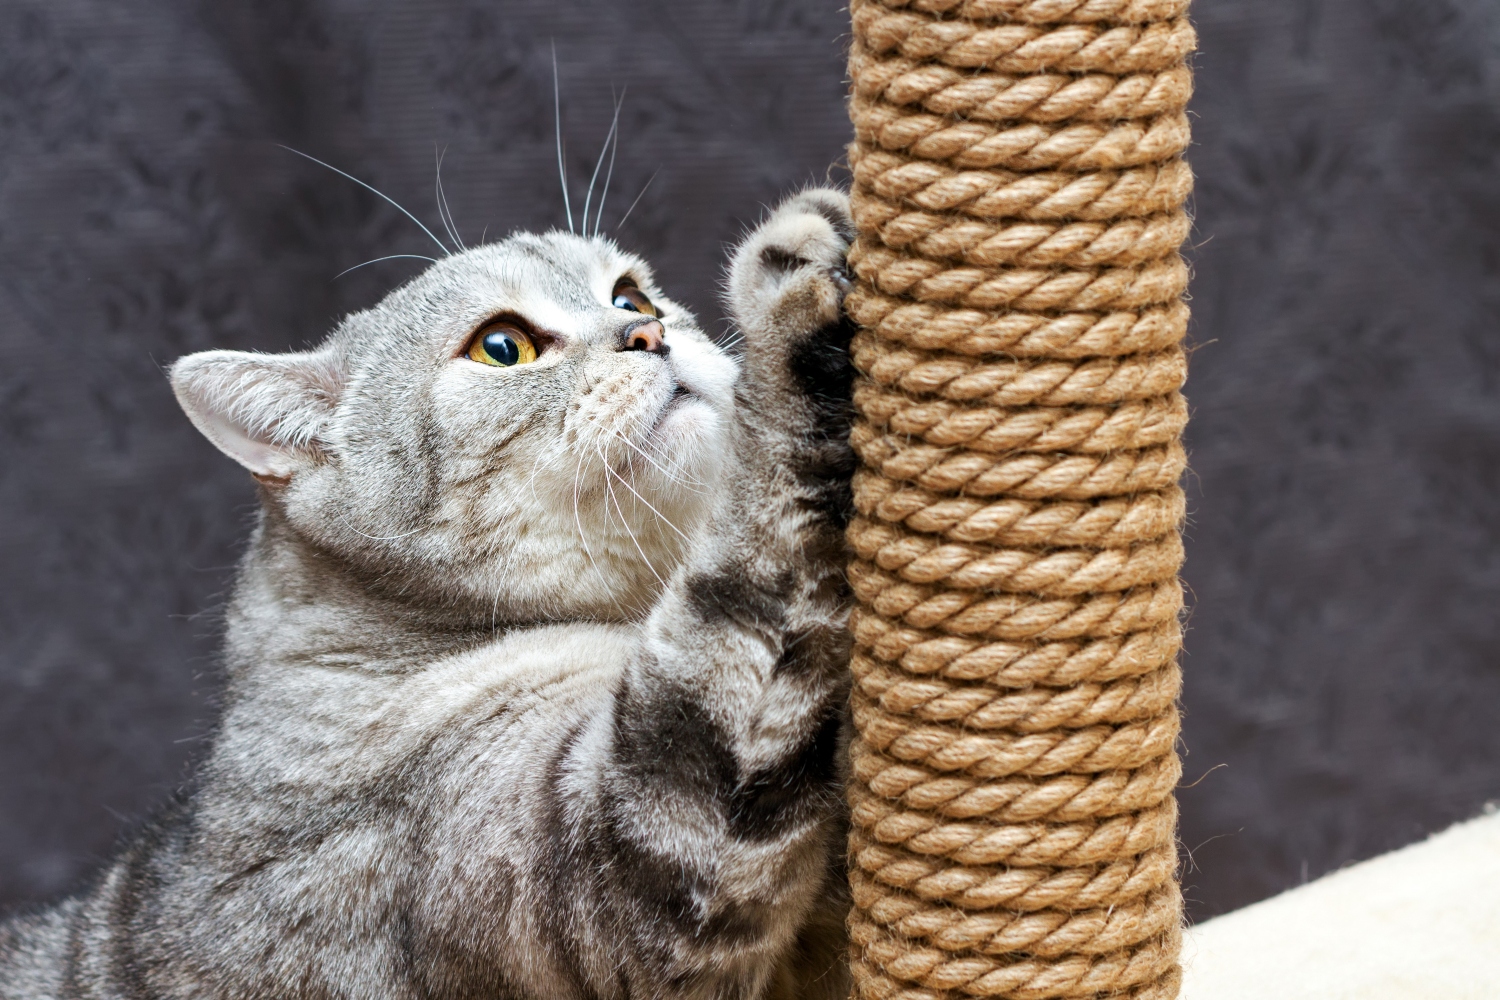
x=536, y=467
x=625, y=522
x=637, y=199
x=614, y=130
x=377, y=260
x=653, y=510
x=444, y=212
x=373, y=190
x=675, y=479
x=589, y=197
x=562, y=174
x=578, y=521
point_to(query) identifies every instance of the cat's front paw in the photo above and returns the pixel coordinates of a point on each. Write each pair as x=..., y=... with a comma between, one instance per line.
x=787, y=283
x=788, y=279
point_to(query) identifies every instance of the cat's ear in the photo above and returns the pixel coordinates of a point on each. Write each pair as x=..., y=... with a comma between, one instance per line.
x=268, y=412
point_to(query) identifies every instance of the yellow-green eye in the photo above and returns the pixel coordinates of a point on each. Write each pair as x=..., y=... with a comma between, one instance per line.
x=502, y=344
x=627, y=296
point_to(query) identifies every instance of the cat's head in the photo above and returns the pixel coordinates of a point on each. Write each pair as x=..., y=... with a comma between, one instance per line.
x=530, y=427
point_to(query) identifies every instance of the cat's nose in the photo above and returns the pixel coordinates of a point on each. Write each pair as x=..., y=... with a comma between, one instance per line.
x=648, y=336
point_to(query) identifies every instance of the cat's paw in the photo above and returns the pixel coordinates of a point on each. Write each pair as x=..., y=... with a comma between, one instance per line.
x=787, y=283
x=788, y=279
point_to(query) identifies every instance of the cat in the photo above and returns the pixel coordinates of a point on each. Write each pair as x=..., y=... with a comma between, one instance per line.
x=536, y=662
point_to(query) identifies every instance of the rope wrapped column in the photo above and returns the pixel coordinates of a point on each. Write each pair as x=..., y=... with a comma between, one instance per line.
x=1019, y=192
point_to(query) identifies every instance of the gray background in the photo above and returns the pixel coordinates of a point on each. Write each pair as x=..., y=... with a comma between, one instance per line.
x=1343, y=656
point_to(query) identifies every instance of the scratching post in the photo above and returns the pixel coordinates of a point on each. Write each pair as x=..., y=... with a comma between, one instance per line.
x=1019, y=191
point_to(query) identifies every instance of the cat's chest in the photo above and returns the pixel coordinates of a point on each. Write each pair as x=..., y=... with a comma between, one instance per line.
x=546, y=671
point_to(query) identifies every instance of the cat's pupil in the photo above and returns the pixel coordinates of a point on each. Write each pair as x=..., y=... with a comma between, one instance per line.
x=623, y=302
x=503, y=348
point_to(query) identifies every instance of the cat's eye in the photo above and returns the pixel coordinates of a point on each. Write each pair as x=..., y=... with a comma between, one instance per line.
x=502, y=344
x=628, y=296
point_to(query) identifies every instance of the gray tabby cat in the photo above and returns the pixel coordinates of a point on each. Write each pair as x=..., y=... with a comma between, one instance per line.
x=535, y=663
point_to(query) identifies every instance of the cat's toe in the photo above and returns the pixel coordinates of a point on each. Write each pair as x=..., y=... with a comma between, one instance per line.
x=831, y=203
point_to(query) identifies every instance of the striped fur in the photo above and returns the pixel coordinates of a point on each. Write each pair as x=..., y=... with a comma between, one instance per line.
x=493, y=727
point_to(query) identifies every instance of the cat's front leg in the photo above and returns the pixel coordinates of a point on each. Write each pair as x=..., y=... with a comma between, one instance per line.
x=722, y=800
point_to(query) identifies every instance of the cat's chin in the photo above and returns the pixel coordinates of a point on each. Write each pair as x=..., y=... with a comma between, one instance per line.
x=686, y=418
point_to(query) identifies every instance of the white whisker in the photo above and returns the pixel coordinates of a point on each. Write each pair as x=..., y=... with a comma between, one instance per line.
x=374, y=190
x=589, y=196
x=614, y=130
x=637, y=199
x=377, y=260
x=444, y=212
x=562, y=173
x=625, y=522
x=675, y=479
x=643, y=500
x=583, y=539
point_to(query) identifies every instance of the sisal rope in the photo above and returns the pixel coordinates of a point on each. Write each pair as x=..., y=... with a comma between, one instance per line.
x=1019, y=190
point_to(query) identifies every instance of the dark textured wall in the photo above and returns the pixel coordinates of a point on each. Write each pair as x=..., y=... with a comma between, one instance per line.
x=1344, y=552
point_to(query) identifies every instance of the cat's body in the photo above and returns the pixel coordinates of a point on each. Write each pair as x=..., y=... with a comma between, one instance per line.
x=471, y=745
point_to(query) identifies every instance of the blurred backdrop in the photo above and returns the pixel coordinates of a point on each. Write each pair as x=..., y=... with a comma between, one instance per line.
x=1343, y=653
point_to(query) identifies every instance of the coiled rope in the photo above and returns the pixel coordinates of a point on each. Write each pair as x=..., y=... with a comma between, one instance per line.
x=1019, y=190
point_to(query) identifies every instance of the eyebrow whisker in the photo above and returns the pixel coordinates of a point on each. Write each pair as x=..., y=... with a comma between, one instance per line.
x=562, y=173
x=608, y=136
x=444, y=212
x=637, y=199
x=374, y=190
x=614, y=130
x=377, y=260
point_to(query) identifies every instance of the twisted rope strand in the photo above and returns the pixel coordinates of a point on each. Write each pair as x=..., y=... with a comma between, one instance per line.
x=1075, y=146
x=1028, y=476
x=1048, y=11
x=1046, y=195
x=1024, y=48
x=947, y=237
x=1082, y=429
x=1107, y=523
x=1116, y=379
x=1080, y=290
x=942, y=832
x=1052, y=573
x=974, y=332
x=917, y=790
x=1075, y=975
x=1037, y=710
x=1046, y=933
x=997, y=97
x=1075, y=751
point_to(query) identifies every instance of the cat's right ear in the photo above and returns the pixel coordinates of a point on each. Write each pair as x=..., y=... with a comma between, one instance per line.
x=268, y=412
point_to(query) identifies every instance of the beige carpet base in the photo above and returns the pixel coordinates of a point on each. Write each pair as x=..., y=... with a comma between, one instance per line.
x=1422, y=922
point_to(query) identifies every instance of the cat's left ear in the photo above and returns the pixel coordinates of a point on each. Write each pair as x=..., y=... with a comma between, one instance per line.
x=268, y=412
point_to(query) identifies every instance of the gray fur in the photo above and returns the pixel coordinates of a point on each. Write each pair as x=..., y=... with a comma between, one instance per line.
x=535, y=673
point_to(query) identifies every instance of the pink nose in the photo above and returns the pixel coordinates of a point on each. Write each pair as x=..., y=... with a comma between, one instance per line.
x=648, y=336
